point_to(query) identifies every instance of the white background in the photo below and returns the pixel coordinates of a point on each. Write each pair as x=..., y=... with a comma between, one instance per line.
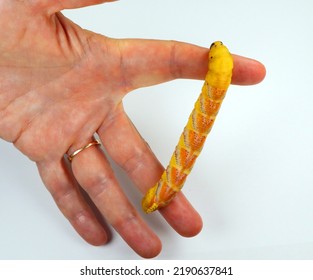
x=252, y=184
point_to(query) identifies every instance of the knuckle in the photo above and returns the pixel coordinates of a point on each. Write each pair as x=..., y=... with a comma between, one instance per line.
x=68, y=203
x=135, y=161
x=173, y=63
x=98, y=185
x=64, y=198
x=126, y=220
x=79, y=217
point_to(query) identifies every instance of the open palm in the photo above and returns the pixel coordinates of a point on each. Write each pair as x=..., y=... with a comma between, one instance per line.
x=60, y=85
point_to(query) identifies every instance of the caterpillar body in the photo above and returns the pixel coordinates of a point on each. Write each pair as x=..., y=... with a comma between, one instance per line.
x=200, y=122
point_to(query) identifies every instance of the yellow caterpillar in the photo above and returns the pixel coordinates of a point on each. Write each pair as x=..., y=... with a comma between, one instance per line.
x=200, y=122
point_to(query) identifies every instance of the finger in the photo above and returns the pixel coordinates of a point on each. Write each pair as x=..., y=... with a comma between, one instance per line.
x=150, y=62
x=65, y=191
x=56, y=6
x=247, y=71
x=94, y=174
x=141, y=165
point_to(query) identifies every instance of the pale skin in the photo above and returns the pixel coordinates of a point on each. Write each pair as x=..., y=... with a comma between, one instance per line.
x=60, y=85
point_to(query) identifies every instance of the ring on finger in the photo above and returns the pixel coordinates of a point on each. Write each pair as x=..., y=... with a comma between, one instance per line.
x=75, y=153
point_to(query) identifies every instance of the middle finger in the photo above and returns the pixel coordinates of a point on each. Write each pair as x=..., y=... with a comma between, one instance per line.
x=128, y=149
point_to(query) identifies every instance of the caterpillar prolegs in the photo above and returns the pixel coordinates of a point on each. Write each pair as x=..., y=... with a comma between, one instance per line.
x=200, y=122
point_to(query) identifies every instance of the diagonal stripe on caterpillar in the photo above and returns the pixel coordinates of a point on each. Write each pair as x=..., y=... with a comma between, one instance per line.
x=200, y=122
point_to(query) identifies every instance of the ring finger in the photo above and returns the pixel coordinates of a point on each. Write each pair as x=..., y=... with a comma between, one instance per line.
x=66, y=193
x=95, y=175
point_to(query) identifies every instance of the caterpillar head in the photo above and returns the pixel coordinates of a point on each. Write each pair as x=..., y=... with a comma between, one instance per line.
x=220, y=66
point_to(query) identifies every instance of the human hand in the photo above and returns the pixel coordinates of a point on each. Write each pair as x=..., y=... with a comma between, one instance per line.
x=60, y=84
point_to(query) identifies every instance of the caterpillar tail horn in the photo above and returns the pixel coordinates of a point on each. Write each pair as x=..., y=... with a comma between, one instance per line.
x=148, y=203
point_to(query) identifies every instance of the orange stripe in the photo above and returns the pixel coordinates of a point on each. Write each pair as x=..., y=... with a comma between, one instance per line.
x=186, y=158
x=175, y=177
x=209, y=106
x=202, y=123
x=216, y=93
x=194, y=141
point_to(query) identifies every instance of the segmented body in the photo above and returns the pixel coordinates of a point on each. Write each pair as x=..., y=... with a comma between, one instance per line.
x=200, y=122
